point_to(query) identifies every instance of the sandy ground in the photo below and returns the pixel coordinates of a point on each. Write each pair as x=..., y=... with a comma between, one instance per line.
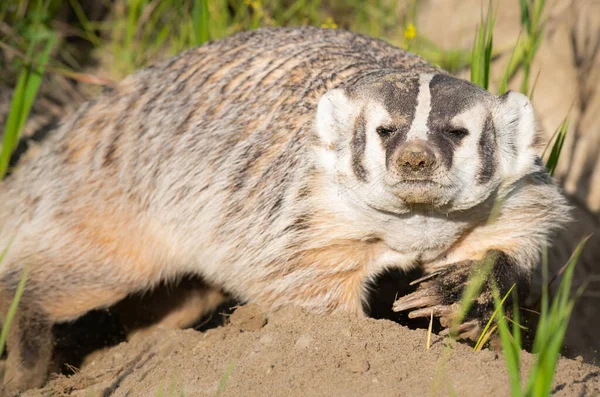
x=293, y=353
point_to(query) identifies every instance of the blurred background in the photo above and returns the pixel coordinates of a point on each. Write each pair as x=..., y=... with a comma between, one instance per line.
x=546, y=49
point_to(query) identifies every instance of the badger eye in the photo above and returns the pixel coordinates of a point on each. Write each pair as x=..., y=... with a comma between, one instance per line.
x=458, y=132
x=386, y=132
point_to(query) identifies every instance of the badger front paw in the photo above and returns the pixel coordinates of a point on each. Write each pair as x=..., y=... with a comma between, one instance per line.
x=440, y=293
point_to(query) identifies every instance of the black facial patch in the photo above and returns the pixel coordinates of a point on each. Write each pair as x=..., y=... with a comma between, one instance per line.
x=391, y=144
x=358, y=146
x=487, y=150
x=398, y=95
x=449, y=97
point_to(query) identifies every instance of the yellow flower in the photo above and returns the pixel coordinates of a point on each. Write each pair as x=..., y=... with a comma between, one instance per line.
x=410, y=32
x=254, y=4
x=329, y=23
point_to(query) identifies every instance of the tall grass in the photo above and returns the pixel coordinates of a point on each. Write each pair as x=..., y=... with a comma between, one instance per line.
x=559, y=139
x=533, y=25
x=481, y=55
x=10, y=315
x=551, y=329
x=139, y=31
x=8, y=318
x=200, y=21
x=554, y=316
x=225, y=377
x=40, y=42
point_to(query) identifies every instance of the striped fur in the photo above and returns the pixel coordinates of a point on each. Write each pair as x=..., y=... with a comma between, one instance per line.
x=255, y=163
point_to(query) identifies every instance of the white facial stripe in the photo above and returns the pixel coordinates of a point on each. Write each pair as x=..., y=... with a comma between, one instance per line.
x=418, y=129
x=473, y=120
x=467, y=158
x=374, y=157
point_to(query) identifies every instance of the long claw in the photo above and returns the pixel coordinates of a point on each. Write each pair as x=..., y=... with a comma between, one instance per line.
x=427, y=277
x=438, y=311
x=473, y=334
x=414, y=300
x=466, y=330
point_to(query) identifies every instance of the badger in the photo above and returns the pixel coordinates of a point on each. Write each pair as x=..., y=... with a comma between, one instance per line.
x=283, y=166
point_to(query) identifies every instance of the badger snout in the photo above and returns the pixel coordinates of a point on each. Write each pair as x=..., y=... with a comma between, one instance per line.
x=415, y=160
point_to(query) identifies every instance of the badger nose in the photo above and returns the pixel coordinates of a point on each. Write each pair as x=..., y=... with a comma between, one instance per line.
x=416, y=157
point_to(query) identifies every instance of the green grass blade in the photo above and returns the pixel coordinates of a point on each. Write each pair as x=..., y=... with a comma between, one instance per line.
x=481, y=53
x=12, y=310
x=561, y=134
x=538, y=6
x=85, y=22
x=551, y=330
x=34, y=79
x=200, y=14
x=471, y=291
x=225, y=378
x=530, y=95
x=3, y=253
x=525, y=15
x=490, y=321
x=28, y=84
x=510, y=68
x=5, y=250
x=516, y=328
x=491, y=20
x=159, y=389
x=514, y=64
x=511, y=347
x=475, y=57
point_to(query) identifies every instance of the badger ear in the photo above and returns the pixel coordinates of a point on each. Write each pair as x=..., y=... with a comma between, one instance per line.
x=335, y=114
x=517, y=137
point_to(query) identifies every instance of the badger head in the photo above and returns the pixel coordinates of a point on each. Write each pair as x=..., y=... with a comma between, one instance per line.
x=397, y=141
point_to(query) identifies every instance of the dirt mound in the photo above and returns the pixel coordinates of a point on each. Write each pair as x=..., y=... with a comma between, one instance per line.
x=293, y=353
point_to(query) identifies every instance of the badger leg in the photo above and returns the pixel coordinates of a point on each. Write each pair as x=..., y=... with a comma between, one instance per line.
x=168, y=307
x=64, y=282
x=322, y=280
x=45, y=301
x=440, y=293
x=30, y=346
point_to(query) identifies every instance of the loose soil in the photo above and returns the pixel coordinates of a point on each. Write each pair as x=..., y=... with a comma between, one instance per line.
x=294, y=353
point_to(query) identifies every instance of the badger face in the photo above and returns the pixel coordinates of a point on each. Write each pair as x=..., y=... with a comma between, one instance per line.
x=398, y=141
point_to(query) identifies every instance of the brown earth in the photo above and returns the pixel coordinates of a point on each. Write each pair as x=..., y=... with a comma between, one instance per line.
x=293, y=353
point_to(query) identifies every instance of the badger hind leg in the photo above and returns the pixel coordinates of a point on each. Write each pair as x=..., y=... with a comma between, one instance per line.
x=440, y=293
x=168, y=306
x=61, y=285
x=29, y=343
